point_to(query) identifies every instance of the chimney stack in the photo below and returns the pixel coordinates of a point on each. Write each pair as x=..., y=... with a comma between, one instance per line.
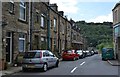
x=54, y=6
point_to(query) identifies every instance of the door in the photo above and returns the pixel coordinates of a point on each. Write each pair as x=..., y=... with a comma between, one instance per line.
x=9, y=47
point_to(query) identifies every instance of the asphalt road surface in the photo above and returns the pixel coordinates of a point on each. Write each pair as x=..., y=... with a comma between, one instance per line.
x=90, y=66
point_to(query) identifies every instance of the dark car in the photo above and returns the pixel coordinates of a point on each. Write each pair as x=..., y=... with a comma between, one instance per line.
x=81, y=53
x=70, y=55
x=39, y=59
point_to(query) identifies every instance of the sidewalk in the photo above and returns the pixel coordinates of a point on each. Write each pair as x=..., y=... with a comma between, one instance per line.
x=114, y=62
x=10, y=70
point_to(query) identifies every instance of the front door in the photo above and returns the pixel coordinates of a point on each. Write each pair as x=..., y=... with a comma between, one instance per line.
x=9, y=47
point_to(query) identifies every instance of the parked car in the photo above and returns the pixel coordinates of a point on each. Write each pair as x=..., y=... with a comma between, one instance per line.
x=85, y=53
x=96, y=51
x=42, y=59
x=81, y=53
x=70, y=55
x=92, y=52
x=88, y=53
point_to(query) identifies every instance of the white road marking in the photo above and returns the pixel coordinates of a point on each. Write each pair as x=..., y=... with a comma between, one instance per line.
x=82, y=63
x=73, y=69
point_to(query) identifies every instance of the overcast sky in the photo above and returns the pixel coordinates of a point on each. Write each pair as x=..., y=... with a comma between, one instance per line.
x=88, y=10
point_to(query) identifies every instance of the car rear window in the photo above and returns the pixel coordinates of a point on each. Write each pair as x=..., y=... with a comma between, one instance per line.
x=68, y=51
x=32, y=55
x=79, y=51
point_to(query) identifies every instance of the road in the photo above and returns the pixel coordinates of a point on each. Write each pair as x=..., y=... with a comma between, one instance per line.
x=92, y=65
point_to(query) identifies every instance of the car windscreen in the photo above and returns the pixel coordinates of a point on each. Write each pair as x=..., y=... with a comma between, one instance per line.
x=32, y=55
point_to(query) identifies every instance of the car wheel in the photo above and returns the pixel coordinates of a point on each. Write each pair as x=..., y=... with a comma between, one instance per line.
x=74, y=59
x=24, y=69
x=45, y=67
x=103, y=59
x=57, y=63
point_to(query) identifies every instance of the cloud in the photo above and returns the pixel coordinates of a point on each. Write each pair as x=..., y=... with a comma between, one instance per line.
x=68, y=6
x=98, y=0
x=103, y=18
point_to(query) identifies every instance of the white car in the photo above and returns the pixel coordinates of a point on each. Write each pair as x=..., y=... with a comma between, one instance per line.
x=42, y=59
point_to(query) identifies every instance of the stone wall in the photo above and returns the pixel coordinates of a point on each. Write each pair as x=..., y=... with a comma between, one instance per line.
x=0, y=35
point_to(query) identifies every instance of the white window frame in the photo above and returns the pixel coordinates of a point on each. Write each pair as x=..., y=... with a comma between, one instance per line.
x=55, y=24
x=23, y=39
x=11, y=10
x=23, y=5
x=63, y=28
x=42, y=21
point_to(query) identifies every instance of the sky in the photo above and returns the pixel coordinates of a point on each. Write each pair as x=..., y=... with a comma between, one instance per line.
x=87, y=10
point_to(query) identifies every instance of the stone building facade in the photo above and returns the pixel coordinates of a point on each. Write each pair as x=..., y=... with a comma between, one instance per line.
x=15, y=29
x=32, y=26
x=116, y=28
x=53, y=27
x=39, y=29
x=77, y=40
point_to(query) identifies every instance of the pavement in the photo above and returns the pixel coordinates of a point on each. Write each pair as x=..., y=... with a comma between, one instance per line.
x=10, y=70
x=114, y=62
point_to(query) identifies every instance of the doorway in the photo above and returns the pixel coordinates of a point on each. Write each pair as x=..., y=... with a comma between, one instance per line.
x=9, y=47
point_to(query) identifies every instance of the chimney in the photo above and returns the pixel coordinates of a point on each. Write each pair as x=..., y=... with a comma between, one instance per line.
x=54, y=6
x=61, y=13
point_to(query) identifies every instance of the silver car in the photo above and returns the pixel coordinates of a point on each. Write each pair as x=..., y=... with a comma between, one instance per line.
x=39, y=59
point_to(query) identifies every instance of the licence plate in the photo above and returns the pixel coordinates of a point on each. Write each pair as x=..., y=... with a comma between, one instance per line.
x=67, y=55
x=30, y=66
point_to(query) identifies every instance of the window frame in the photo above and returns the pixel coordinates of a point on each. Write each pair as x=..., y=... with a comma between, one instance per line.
x=22, y=39
x=37, y=17
x=11, y=7
x=23, y=6
x=55, y=24
x=42, y=21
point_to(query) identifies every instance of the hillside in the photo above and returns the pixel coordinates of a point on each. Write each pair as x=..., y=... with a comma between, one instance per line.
x=96, y=33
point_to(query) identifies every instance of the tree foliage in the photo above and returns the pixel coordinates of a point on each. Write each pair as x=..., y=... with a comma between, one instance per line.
x=96, y=33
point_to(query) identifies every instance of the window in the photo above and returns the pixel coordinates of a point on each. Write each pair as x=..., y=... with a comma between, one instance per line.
x=42, y=21
x=22, y=10
x=43, y=43
x=45, y=54
x=63, y=28
x=11, y=6
x=37, y=17
x=55, y=24
x=36, y=42
x=21, y=42
x=116, y=16
x=55, y=43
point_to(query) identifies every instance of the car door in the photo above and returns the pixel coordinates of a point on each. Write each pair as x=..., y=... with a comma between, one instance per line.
x=48, y=59
x=53, y=58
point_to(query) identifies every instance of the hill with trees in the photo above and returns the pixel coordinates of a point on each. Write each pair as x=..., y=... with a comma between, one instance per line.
x=97, y=34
